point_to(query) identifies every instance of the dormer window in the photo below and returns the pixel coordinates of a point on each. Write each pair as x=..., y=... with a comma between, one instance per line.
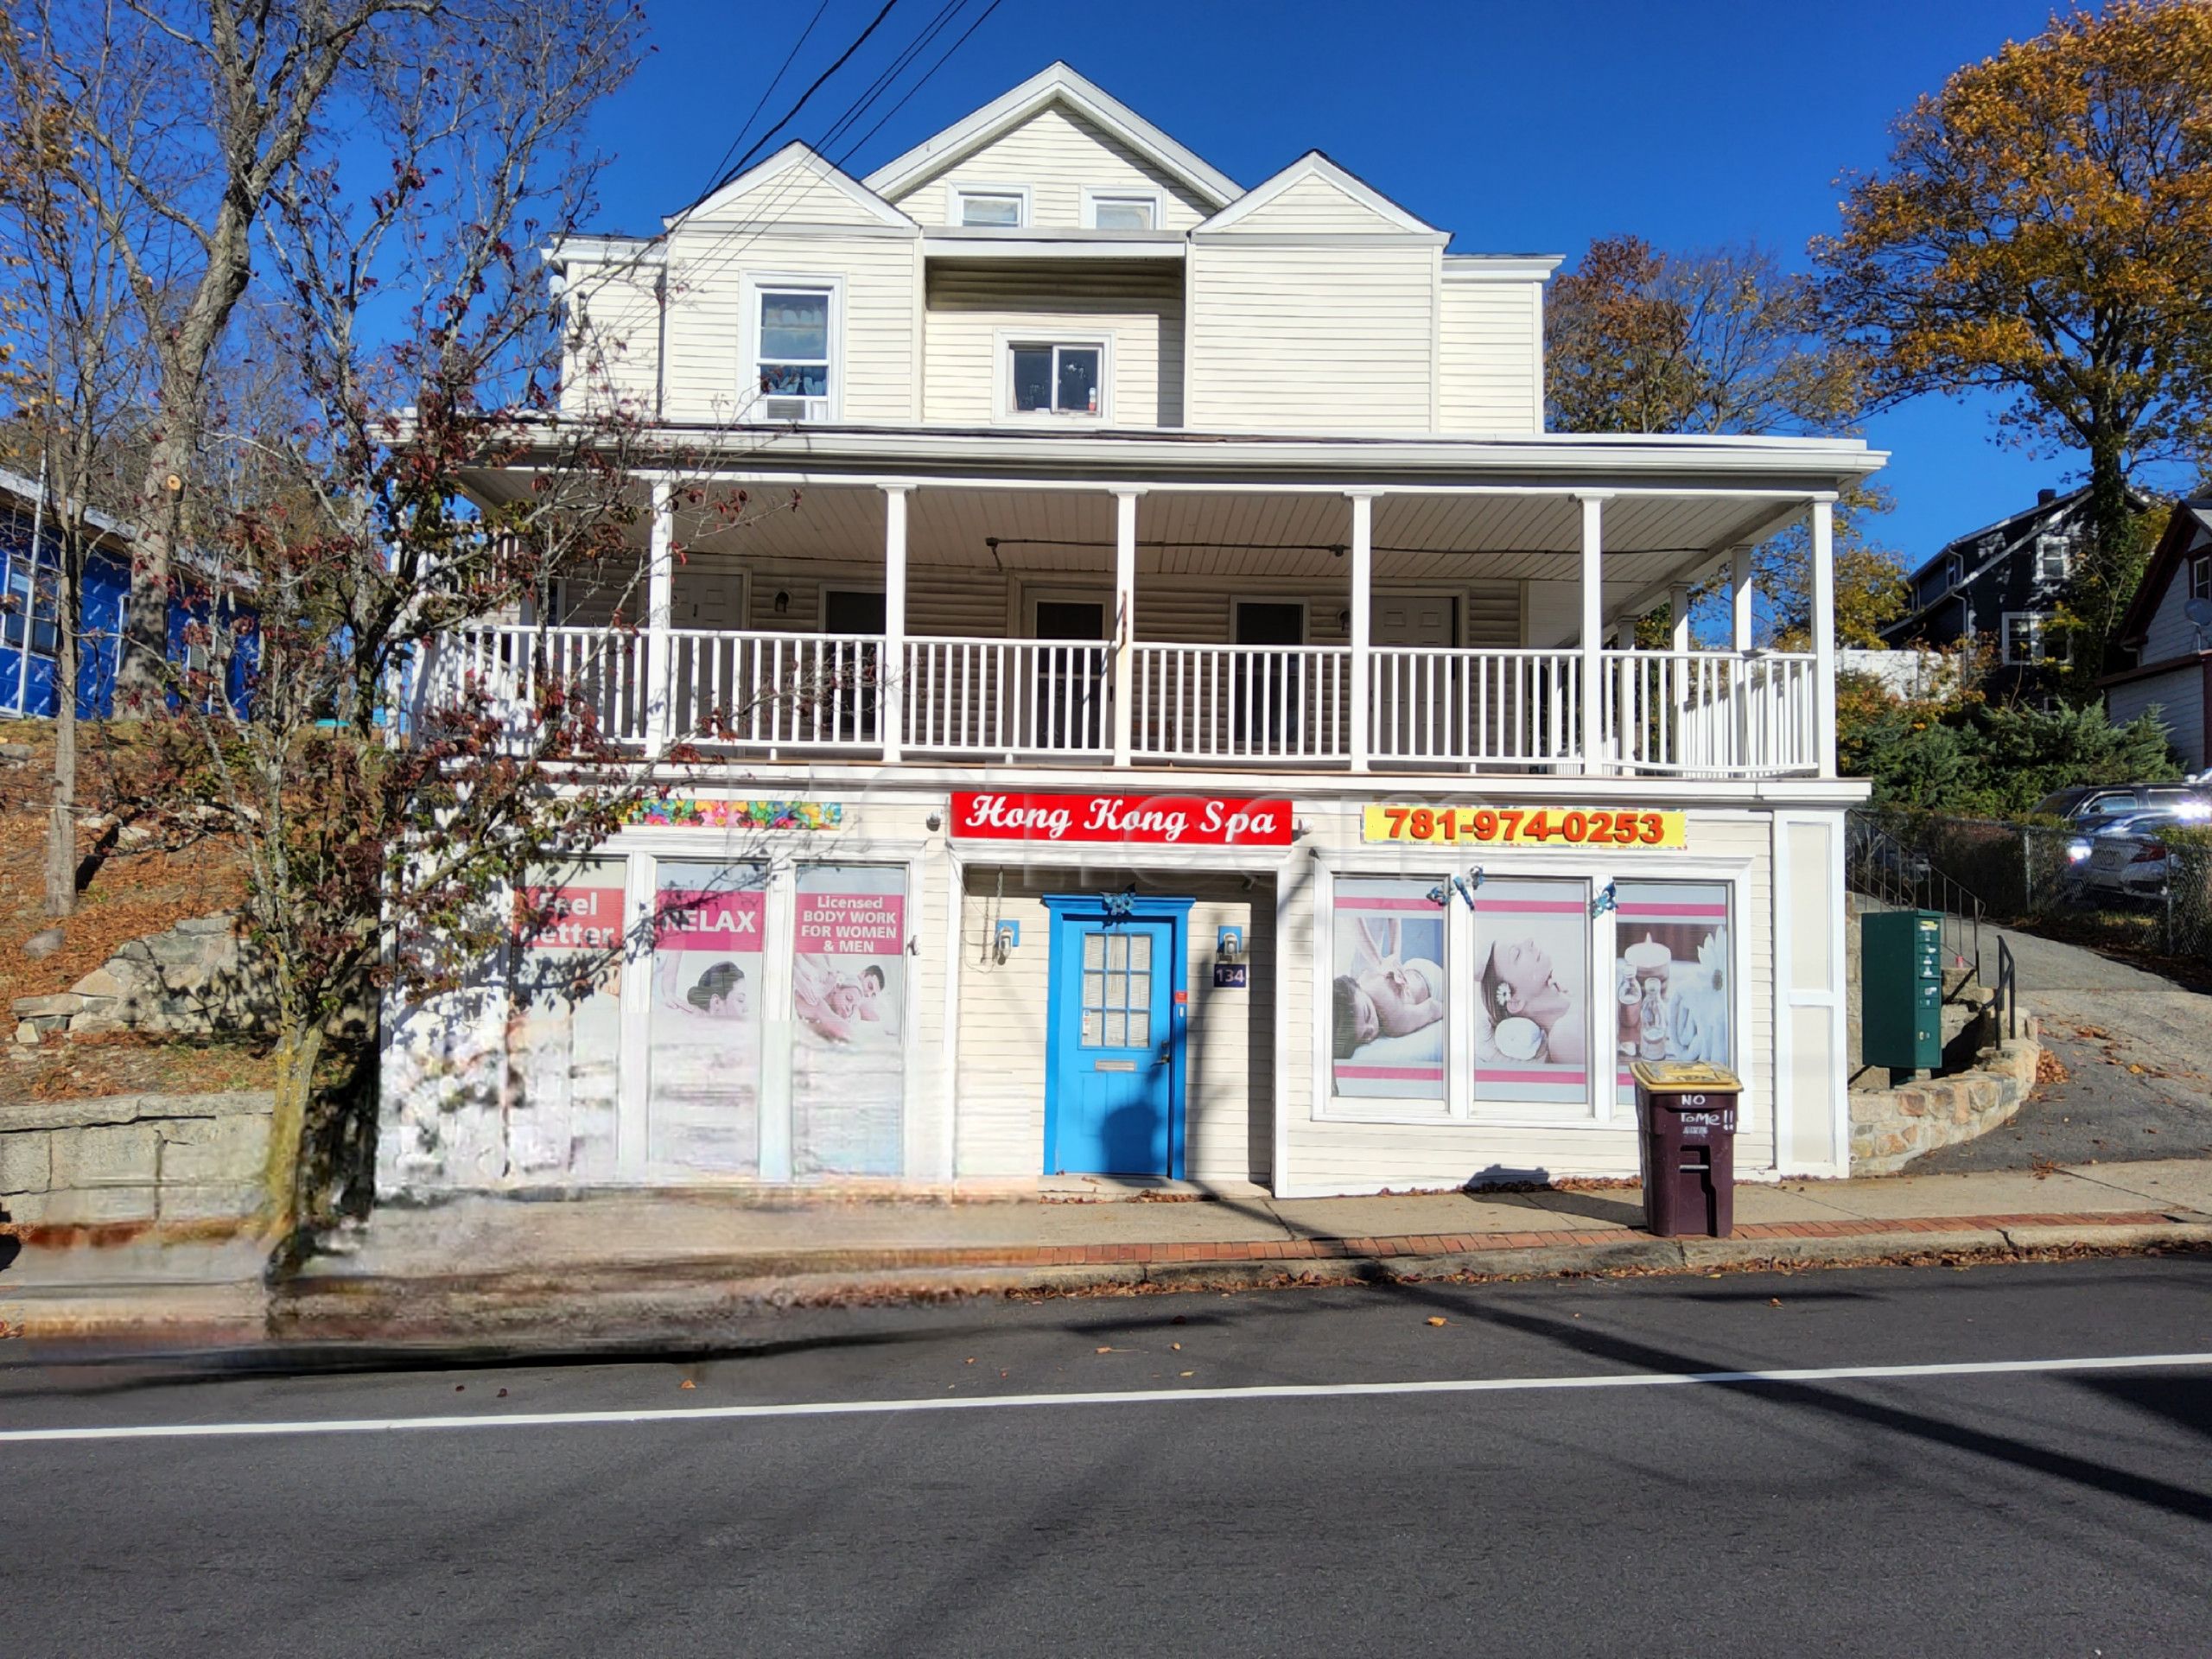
x=1000, y=210
x=1121, y=210
x=2054, y=557
x=794, y=350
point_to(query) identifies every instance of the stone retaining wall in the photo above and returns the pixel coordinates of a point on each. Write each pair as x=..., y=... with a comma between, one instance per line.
x=190, y=981
x=1891, y=1127
x=127, y=1158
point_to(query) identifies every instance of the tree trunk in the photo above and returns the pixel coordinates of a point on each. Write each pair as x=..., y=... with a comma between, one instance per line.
x=142, y=653
x=61, y=817
x=283, y=1206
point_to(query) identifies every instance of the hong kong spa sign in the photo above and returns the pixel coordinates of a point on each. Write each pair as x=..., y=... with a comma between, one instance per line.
x=1122, y=820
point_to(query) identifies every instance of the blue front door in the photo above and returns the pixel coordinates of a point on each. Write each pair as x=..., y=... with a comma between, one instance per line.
x=1116, y=1052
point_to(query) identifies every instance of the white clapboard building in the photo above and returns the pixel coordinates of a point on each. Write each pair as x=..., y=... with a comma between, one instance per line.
x=1191, y=724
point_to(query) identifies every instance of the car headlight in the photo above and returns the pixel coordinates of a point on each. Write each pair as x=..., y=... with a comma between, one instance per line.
x=2077, y=851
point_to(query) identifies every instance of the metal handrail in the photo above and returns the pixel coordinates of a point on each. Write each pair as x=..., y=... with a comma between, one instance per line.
x=1881, y=866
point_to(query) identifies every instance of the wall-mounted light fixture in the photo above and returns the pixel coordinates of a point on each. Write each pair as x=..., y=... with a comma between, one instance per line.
x=1228, y=944
x=934, y=822
x=783, y=602
x=1005, y=940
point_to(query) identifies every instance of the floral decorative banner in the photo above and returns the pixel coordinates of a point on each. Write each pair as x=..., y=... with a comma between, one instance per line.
x=682, y=813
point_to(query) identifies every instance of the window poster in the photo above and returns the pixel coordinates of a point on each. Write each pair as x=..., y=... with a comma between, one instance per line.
x=1388, y=997
x=1671, y=991
x=703, y=1035
x=848, y=995
x=1532, y=971
x=564, y=1023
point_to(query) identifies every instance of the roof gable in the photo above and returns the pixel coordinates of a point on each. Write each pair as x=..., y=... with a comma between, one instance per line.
x=1314, y=196
x=793, y=186
x=1057, y=83
x=2189, y=531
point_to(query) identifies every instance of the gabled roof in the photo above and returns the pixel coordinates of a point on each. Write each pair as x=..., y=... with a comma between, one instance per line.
x=1315, y=165
x=2187, y=530
x=1057, y=83
x=2056, y=507
x=868, y=206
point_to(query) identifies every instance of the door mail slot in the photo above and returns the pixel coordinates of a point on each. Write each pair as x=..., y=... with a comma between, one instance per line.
x=1113, y=1065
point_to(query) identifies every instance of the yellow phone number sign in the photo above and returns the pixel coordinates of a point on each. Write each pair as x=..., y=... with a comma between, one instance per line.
x=1517, y=826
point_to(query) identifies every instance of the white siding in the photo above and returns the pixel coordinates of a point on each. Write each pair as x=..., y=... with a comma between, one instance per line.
x=1310, y=339
x=708, y=378
x=972, y=307
x=613, y=356
x=2177, y=698
x=2170, y=633
x=1489, y=362
x=797, y=195
x=1056, y=154
x=1313, y=207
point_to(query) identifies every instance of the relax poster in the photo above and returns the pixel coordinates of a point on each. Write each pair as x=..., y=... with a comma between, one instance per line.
x=704, y=1031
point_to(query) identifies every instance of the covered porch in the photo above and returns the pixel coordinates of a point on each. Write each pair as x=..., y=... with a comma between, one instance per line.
x=1451, y=627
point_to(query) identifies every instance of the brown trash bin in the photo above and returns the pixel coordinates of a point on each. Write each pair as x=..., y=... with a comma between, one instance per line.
x=1686, y=1121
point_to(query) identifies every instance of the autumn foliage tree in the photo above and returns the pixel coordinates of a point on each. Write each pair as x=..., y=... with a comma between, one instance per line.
x=1723, y=340
x=2039, y=234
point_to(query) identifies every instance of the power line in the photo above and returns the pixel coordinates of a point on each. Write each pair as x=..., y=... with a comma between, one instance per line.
x=791, y=115
x=766, y=92
x=918, y=85
x=883, y=82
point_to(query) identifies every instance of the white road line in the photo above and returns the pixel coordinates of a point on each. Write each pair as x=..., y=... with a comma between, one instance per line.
x=1101, y=1397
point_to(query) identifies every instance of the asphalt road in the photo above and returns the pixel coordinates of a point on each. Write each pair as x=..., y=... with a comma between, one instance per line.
x=2007, y=1512
x=2138, y=1052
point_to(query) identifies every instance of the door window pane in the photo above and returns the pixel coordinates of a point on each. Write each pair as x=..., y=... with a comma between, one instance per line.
x=1532, y=972
x=1388, y=997
x=1672, y=989
x=848, y=1050
x=703, y=1035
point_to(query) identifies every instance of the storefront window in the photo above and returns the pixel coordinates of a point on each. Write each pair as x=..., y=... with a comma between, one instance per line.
x=1390, y=990
x=849, y=998
x=564, y=1023
x=1672, y=994
x=704, y=1030
x=1532, y=971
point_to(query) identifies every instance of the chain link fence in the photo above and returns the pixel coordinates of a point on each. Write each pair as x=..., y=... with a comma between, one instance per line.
x=2152, y=892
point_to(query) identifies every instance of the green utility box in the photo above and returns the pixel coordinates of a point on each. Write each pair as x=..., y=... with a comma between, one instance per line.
x=1901, y=989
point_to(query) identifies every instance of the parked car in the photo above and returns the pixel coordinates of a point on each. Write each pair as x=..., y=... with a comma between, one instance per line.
x=2128, y=856
x=2086, y=801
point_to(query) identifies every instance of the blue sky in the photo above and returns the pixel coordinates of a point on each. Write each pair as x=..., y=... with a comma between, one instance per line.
x=1520, y=127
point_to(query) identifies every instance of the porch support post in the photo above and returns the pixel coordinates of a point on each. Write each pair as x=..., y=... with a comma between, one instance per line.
x=660, y=615
x=1741, y=594
x=1595, y=735
x=1824, y=634
x=891, y=666
x=1125, y=622
x=1362, y=599
x=1678, y=613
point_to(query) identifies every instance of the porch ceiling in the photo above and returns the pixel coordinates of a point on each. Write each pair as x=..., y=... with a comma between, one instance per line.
x=1649, y=539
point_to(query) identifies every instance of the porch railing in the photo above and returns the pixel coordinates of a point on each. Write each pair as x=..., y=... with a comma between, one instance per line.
x=1515, y=709
x=1687, y=714
x=1007, y=699
x=1710, y=714
x=1241, y=702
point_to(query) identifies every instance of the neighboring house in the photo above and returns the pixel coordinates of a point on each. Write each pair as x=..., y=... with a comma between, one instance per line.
x=30, y=575
x=2001, y=585
x=2167, y=631
x=1184, y=730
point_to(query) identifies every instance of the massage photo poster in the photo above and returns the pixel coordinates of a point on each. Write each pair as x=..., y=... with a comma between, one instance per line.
x=848, y=1037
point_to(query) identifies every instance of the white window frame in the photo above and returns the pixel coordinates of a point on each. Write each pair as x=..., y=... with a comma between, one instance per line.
x=2052, y=544
x=2030, y=626
x=25, y=622
x=1954, y=570
x=1151, y=196
x=752, y=404
x=2199, y=577
x=1002, y=375
x=956, y=196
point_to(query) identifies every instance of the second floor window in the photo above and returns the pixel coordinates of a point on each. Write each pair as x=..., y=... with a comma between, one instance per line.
x=794, y=363
x=1057, y=379
x=2199, y=577
x=2026, y=640
x=1124, y=213
x=996, y=209
x=2054, y=557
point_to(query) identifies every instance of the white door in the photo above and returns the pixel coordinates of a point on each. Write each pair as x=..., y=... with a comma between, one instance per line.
x=1416, y=619
x=1414, y=706
x=709, y=600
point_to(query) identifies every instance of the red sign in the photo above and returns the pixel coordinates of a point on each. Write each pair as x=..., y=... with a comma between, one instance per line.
x=852, y=924
x=1147, y=820
x=568, y=918
x=703, y=919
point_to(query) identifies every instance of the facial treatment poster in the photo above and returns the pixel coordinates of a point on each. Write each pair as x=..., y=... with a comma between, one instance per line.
x=1532, y=968
x=1388, y=990
x=848, y=995
x=704, y=1032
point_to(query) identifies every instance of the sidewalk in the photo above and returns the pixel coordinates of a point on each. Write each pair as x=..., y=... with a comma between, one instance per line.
x=640, y=1269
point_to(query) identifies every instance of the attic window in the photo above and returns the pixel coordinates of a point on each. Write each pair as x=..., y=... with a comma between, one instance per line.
x=2199, y=577
x=1121, y=209
x=2054, y=556
x=992, y=209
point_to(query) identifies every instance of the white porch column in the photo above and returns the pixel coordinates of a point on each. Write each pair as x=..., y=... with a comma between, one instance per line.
x=891, y=666
x=1679, y=614
x=1125, y=621
x=1824, y=634
x=1741, y=594
x=1362, y=602
x=660, y=615
x=1595, y=737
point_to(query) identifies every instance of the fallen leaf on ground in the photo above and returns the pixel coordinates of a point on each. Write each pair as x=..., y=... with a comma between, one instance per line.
x=1436, y=1318
x=686, y=1383
x=1177, y=1346
x=1102, y=1351
x=1774, y=1301
x=1186, y=1373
